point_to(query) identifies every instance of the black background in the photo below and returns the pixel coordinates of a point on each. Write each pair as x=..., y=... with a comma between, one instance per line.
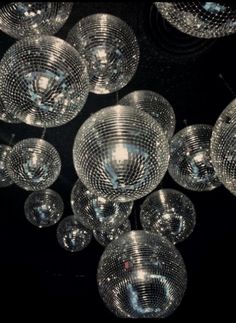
x=36, y=273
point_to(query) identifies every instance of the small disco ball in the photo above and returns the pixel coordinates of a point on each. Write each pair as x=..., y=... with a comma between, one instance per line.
x=43, y=81
x=110, y=48
x=104, y=238
x=6, y=115
x=154, y=104
x=200, y=19
x=44, y=208
x=190, y=163
x=141, y=275
x=223, y=147
x=21, y=19
x=5, y=180
x=72, y=235
x=33, y=164
x=120, y=153
x=170, y=213
x=96, y=212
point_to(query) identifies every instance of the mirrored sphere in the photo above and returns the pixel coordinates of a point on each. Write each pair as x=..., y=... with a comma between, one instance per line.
x=190, y=162
x=120, y=153
x=110, y=49
x=43, y=81
x=104, y=238
x=200, y=19
x=44, y=208
x=96, y=212
x=21, y=19
x=6, y=115
x=33, y=164
x=154, y=104
x=5, y=180
x=72, y=235
x=170, y=213
x=141, y=275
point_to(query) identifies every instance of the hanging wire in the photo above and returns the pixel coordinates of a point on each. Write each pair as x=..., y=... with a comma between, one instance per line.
x=43, y=133
x=117, y=97
x=11, y=140
x=230, y=89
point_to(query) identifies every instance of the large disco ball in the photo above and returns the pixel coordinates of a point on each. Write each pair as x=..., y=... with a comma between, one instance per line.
x=223, y=147
x=154, y=104
x=170, y=213
x=120, y=153
x=21, y=19
x=141, y=275
x=6, y=114
x=44, y=208
x=5, y=180
x=43, y=81
x=190, y=162
x=110, y=49
x=200, y=19
x=72, y=235
x=33, y=164
x=95, y=212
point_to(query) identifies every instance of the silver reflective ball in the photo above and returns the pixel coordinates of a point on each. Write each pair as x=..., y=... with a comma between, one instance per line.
x=6, y=115
x=5, y=179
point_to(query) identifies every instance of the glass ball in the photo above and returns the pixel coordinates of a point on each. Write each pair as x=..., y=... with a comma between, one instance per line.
x=104, y=238
x=154, y=104
x=72, y=235
x=21, y=19
x=96, y=212
x=120, y=153
x=110, y=49
x=5, y=180
x=190, y=163
x=170, y=213
x=43, y=81
x=44, y=208
x=141, y=275
x=33, y=164
x=200, y=19
x=6, y=115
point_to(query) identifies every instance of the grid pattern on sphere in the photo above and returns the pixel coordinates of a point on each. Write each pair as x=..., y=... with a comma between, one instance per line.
x=5, y=180
x=6, y=115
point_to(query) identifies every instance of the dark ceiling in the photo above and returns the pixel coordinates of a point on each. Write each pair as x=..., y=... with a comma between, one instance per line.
x=36, y=273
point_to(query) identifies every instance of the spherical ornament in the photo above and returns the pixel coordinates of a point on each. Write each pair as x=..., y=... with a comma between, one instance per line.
x=141, y=275
x=154, y=104
x=6, y=115
x=110, y=48
x=43, y=81
x=120, y=153
x=21, y=19
x=44, y=208
x=5, y=180
x=190, y=162
x=72, y=235
x=96, y=212
x=200, y=19
x=170, y=213
x=104, y=238
x=33, y=164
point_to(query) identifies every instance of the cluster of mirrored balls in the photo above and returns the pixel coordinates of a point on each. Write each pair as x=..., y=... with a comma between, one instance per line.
x=120, y=154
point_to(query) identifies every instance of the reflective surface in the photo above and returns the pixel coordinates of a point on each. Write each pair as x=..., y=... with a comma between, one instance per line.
x=6, y=115
x=110, y=48
x=141, y=275
x=5, y=180
x=170, y=213
x=48, y=79
x=124, y=149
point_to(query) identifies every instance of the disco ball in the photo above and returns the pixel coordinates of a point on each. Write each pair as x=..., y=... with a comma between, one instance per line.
x=6, y=115
x=96, y=212
x=120, y=153
x=5, y=180
x=33, y=164
x=170, y=213
x=21, y=19
x=110, y=48
x=44, y=208
x=104, y=238
x=72, y=235
x=43, y=81
x=190, y=162
x=200, y=19
x=223, y=147
x=154, y=104
x=141, y=275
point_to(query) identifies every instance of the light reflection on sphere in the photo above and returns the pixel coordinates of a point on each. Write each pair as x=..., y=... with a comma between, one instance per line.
x=6, y=115
x=5, y=179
